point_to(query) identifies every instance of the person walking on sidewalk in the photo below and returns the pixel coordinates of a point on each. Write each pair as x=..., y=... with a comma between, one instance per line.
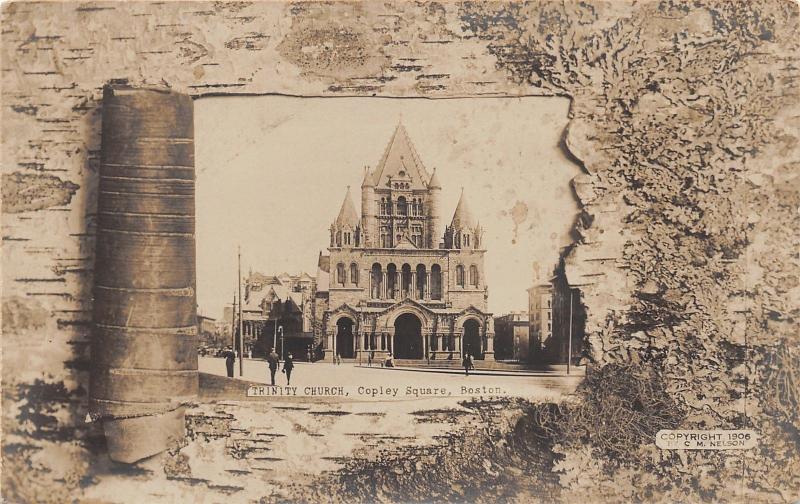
x=272, y=361
x=230, y=358
x=466, y=364
x=288, y=365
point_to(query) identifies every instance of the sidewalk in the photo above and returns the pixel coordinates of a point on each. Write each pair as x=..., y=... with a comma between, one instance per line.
x=576, y=372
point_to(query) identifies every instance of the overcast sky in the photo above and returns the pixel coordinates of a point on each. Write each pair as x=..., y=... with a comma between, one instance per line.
x=272, y=173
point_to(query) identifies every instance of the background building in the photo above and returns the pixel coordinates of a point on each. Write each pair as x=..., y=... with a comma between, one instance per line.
x=209, y=333
x=511, y=334
x=394, y=279
x=276, y=306
x=540, y=318
x=556, y=314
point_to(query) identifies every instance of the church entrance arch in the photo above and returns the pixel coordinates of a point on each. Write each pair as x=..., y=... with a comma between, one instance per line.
x=408, y=337
x=472, y=339
x=344, y=338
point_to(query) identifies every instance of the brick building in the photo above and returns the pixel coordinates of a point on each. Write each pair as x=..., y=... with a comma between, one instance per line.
x=556, y=315
x=540, y=316
x=394, y=279
x=511, y=334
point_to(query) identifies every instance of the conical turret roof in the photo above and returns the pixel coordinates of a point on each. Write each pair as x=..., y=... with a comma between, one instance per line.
x=462, y=218
x=401, y=161
x=347, y=214
x=434, y=182
x=368, y=178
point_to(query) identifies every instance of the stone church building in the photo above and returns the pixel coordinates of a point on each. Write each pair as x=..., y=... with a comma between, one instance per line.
x=395, y=279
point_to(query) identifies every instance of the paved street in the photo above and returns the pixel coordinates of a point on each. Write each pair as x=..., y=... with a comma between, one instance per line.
x=350, y=382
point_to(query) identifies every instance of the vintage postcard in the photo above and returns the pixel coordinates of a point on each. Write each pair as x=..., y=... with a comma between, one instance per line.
x=400, y=251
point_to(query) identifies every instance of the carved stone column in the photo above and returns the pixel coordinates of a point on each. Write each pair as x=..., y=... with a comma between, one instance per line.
x=489, y=353
x=427, y=286
x=330, y=347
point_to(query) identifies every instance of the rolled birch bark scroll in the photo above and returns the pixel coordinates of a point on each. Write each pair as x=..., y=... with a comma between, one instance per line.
x=144, y=347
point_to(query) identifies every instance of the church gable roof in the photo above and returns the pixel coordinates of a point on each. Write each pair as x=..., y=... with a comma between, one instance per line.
x=405, y=243
x=470, y=310
x=400, y=161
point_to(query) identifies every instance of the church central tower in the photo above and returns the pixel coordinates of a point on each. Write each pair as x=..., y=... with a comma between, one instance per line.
x=400, y=199
x=396, y=281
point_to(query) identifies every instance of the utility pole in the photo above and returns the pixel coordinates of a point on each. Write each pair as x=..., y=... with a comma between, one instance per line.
x=569, y=345
x=275, y=334
x=241, y=337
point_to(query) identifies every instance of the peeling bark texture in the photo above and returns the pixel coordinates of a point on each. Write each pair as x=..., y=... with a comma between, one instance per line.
x=28, y=192
x=144, y=349
x=684, y=116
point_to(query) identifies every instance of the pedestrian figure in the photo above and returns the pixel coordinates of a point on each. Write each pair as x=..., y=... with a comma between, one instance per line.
x=466, y=364
x=471, y=362
x=308, y=354
x=230, y=358
x=389, y=360
x=288, y=365
x=338, y=359
x=370, y=356
x=272, y=361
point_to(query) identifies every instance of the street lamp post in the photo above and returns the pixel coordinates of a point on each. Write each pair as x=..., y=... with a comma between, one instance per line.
x=283, y=347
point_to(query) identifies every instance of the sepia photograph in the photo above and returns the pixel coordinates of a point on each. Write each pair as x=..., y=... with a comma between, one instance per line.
x=400, y=252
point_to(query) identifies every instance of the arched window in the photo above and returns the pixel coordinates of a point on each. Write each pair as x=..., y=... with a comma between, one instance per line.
x=391, y=280
x=340, y=274
x=473, y=276
x=376, y=279
x=436, y=282
x=416, y=235
x=402, y=208
x=347, y=238
x=466, y=240
x=421, y=212
x=405, y=281
x=338, y=238
x=422, y=282
x=460, y=275
x=354, y=274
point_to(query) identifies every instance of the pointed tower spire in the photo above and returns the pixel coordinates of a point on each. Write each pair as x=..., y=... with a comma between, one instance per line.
x=462, y=218
x=347, y=214
x=434, y=181
x=368, y=179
